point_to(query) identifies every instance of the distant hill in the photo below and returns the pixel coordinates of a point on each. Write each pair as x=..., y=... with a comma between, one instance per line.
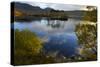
x=26, y=8
x=23, y=9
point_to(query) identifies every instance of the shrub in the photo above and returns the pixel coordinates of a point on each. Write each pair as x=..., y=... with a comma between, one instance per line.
x=27, y=45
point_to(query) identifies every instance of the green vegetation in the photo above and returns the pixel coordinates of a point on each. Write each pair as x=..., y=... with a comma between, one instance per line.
x=91, y=15
x=87, y=35
x=27, y=44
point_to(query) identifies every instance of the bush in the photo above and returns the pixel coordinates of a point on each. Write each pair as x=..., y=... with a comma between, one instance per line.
x=27, y=45
x=87, y=35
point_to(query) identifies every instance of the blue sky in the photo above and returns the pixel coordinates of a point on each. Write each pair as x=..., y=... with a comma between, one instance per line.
x=66, y=7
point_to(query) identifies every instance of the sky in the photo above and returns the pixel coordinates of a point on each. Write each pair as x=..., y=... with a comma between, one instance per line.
x=65, y=7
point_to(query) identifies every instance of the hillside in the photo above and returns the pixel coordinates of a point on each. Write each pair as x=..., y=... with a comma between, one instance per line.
x=24, y=11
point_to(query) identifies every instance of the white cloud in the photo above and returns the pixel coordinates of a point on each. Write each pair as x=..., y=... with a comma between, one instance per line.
x=58, y=6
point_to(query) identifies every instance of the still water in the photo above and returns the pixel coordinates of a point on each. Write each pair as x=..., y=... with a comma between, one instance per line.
x=58, y=36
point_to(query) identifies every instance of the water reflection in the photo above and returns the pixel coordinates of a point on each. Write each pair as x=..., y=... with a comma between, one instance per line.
x=58, y=36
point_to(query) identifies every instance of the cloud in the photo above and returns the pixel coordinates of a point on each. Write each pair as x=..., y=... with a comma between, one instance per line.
x=66, y=7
